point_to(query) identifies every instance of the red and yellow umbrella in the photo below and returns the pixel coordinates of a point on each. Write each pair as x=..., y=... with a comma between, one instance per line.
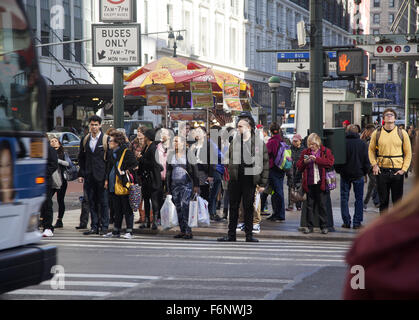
x=172, y=79
x=218, y=78
x=170, y=63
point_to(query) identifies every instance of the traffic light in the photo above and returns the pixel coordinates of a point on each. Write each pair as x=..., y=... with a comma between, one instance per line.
x=351, y=62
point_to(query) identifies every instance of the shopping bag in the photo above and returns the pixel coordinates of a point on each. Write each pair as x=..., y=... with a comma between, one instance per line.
x=257, y=201
x=134, y=196
x=168, y=214
x=56, y=179
x=203, y=214
x=193, y=213
x=331, y=179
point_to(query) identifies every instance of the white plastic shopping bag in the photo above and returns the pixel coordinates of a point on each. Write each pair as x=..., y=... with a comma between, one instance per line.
x=168, y=214
x=193, y=213
x=257, y=201
x=203, y=214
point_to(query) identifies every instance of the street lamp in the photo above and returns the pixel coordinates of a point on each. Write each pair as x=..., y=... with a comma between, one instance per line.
x=173, y=41
x=274, y=83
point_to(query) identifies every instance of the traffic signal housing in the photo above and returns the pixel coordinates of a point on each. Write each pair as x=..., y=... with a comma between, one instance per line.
x=352, y=62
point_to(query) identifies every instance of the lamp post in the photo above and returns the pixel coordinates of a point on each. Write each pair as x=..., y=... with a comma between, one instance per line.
x=173, y=41
x=274, y=84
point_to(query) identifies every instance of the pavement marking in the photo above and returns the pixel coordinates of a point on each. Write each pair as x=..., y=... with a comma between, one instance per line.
x=110, y=276
x=95, y=284
x=42, y=292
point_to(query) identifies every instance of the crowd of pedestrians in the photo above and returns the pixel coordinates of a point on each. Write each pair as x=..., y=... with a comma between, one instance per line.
x=240, y=167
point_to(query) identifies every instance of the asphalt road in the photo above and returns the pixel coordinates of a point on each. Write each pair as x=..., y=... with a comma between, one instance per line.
x=162, y=268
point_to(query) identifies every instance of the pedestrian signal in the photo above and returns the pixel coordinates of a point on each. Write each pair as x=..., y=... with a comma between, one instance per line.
x=351, y=62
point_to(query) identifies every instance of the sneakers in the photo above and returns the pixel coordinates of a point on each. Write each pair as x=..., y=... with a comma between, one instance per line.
x=240, y=227
x=128, y=235
x=325, y=231
x=111, y=235
x=47, y=233
x=256, y=228
x=59, y=224
x=307, y=230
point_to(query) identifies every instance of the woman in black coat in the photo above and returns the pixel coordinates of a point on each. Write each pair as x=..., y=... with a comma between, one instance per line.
x=182, y=183
x=150, y=171
x=116, y=168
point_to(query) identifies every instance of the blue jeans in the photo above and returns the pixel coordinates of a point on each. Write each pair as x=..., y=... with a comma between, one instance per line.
x=276, y=180
x=345, y=188
x=215, y=189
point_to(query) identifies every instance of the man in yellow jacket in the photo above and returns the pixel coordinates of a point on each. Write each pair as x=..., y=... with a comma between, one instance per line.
x=390, y=155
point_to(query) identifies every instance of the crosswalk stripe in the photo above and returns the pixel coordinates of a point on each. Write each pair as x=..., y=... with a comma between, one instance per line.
x=186, y=247
x=96, y=284
x=110, y=276
x=42, y=292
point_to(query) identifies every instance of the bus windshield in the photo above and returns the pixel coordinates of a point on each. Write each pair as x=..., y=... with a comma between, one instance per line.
x=19, y=109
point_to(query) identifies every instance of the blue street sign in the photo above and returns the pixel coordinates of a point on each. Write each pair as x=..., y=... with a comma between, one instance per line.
x=302, y=56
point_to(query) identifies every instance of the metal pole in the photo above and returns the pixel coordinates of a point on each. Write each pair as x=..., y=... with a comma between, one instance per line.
x=316, y=67
x=406, y=99
x=174, y=49
x=118, y=97
x=274, y=106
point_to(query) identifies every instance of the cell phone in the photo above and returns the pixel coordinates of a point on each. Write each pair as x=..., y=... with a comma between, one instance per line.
x=306, y=157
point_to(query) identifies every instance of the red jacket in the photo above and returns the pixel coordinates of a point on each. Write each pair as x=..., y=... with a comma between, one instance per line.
x=388, y=251
x=326, y=160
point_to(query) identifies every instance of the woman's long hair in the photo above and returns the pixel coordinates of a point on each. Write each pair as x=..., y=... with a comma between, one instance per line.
x=60, y=150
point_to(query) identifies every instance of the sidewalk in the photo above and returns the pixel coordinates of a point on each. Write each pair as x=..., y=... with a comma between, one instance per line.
x=269, y=230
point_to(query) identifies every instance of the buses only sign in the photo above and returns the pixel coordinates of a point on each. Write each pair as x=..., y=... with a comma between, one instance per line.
x=116, y=45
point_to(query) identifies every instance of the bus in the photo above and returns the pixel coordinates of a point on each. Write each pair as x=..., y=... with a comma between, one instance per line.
x=23, y=154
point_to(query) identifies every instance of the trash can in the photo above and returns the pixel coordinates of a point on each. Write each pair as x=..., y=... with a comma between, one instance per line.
x=335, y=140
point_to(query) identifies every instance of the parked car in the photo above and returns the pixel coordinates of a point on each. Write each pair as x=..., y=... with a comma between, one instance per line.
x=70, y=142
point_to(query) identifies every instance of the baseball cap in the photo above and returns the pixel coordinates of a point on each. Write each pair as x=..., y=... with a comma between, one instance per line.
x=346, y=122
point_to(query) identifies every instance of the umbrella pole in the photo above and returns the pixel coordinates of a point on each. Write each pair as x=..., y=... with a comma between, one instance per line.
x=166, y=116
x=207, y=119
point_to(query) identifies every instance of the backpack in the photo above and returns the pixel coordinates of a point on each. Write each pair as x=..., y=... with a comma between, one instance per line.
x=104, y=143
x=377, y=137
x=283, y=159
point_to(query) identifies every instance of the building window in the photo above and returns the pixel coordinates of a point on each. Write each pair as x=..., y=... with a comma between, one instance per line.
x=45, y=32
x=67, y=30
x=258, y=12
x=376, y=3
x=390, y=72
x=373, y=72
x=233, y=45
x=146, y=16
x=203, y=36
x=375, y=31
x=31, y=12
x=390, y=18
x=169, y=15
x=376, y=19
x=78, y=30
x=391, y=3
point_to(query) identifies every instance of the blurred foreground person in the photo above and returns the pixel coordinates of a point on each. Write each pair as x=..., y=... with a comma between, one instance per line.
x=387, y=250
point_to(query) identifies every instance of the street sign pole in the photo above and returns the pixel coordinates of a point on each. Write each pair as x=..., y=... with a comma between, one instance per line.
x=118, y=97
x=316, y=68
x=406, y=99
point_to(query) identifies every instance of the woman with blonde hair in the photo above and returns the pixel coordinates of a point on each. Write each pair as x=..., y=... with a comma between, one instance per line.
x=387, y=251
x=313, y=163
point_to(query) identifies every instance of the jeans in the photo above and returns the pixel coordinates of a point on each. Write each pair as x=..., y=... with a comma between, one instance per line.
x=276, y=180
x=345, y=188
x=98, y=203
x=386, y=182
x=215, y=189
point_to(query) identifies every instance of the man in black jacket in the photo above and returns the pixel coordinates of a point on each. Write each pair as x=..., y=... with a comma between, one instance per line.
x=353, y=172
x=93, y=156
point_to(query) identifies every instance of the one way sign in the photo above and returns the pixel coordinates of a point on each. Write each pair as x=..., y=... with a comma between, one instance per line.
x=116, y=45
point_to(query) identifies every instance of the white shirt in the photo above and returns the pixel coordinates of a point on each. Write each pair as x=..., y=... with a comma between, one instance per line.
x=93, y=142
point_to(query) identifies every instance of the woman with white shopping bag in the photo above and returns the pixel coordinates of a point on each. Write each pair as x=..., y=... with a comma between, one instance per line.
x=182, y=183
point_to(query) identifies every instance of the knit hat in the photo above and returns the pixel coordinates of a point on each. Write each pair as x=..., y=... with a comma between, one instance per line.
x=150, y=134
x=297, y=137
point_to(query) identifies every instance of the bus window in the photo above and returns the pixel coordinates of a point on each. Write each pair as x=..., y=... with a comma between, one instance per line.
x=19, y=110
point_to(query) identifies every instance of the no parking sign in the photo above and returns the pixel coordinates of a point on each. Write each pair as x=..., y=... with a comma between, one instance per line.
x=117, y=11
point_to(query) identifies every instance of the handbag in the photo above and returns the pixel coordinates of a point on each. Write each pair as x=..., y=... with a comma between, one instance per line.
x=120, y=188
x=70, y=172
x=331, y=179
x=298, y=195
x=56, y=179
x=203, y=215
x=134, y=196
